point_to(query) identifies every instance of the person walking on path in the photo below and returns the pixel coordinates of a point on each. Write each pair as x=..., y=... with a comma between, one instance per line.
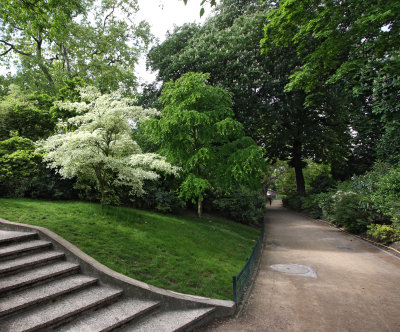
x=355, y=286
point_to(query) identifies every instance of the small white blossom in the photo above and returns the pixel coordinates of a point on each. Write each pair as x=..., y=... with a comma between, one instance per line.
x=101, y=149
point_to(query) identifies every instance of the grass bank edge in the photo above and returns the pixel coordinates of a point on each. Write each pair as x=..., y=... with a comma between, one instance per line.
x=183, y=254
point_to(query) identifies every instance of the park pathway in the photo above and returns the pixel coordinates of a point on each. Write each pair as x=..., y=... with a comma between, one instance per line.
x=357, y=286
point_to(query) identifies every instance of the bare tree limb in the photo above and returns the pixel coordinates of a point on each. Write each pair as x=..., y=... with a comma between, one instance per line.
x=6, y=52
x=107, y=17
x=12, y=47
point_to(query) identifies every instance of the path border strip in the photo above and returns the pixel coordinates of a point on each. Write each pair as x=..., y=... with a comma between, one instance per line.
x=357, y=236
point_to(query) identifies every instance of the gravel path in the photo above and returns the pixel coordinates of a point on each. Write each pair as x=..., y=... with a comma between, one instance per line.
x=357, y=286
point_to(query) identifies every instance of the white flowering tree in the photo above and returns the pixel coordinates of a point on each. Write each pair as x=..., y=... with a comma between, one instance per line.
x=100, y=149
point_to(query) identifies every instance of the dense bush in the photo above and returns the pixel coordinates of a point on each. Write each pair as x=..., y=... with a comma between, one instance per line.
x=386, y=197
x=19, y=164
x=347, y=212
x=242, y=206
x=322, y=183
x=369, y=201
x=384, y=233
x=159, y=196
x=47, y=184
x=292, y=201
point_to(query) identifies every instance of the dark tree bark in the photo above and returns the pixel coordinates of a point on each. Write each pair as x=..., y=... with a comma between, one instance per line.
x=298, y=164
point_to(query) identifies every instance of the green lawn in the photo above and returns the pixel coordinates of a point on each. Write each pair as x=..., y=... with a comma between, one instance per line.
x=178, y=253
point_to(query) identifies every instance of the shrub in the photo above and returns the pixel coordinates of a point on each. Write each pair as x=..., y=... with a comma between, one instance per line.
x=159, y=197
x=384, y=233
x=322, y=183
x=292, y=201
x=386, y=197
x=244, y=207
x=347, y=212
x=18, y=166
x=311, y=205
x=50, y=185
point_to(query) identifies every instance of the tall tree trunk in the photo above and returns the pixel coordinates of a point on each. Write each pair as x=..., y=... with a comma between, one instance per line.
x=199, y=208
x=301, y=187
x=298, y=165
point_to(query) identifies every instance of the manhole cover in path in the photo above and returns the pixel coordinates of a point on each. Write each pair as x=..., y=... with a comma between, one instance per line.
x=295, y=269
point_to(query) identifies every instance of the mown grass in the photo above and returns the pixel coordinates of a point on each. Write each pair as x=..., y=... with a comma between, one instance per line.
x=182, y=254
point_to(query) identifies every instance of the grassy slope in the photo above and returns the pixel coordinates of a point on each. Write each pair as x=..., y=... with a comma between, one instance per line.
x=182, y=254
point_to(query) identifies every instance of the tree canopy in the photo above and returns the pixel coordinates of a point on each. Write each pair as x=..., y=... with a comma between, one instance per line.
x=228, y=47
x=51, y=41
x=355, y=46
x=197, y=132
x=101, y=151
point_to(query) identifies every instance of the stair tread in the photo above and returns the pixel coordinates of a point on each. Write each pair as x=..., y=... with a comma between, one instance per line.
x=51, y=313
x=36, y=274
x=13, y=264
x=109, y=317
x=24, y=246
x=6, y=236
x=44, y=292
x=169, y=320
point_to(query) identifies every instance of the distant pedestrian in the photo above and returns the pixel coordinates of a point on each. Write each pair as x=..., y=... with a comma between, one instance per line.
x=269, y=198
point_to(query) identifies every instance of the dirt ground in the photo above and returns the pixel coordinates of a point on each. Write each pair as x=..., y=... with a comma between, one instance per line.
x=357, y=288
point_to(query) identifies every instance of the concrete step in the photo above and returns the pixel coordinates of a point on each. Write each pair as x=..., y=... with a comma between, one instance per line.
x=12, y=236
x=50, y=314
x=40, y=274
x=41, y=293
x=29, y=261
x=16, y=249
x=111, y=317
x=169, y=320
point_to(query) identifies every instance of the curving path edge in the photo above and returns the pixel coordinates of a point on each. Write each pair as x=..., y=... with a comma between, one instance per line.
x=355, y=286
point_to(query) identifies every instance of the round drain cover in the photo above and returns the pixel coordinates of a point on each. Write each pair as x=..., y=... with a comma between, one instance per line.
x=295, y=269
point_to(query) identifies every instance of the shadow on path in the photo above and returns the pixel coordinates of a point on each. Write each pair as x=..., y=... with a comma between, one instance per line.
x=356, y=289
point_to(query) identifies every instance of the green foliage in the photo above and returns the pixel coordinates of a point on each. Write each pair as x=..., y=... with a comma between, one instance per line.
x=69, y=92
x=242, y=205
x=53, y=41
x=159, y=197
x=384, y=233
x=386, y=196
x=317, y=177
x=325, y=203
x=228, y=47
x=347, y=212
x=368, y=200
x=292, y=201
x=19, y=164
x=48, y=184
x=194, y=188
x=197, y=132
x=28, y=115
x=337, y=39
x=312, y=205
x=355, y=46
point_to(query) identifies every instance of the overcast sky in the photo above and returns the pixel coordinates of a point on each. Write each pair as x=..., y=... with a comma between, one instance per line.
x=162, y=15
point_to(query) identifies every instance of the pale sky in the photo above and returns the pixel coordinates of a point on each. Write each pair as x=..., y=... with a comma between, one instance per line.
x=162, y=15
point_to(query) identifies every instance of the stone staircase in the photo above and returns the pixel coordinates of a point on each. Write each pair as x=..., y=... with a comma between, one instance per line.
x=43, y=287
